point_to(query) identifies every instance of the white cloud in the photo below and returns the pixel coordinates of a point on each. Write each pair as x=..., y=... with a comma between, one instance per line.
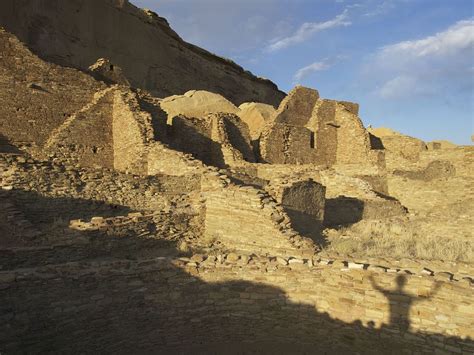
x=403, y=85
x=314, y=67
x=308, y=29
x=381, y=9
x=437, y=64
x=456, y=38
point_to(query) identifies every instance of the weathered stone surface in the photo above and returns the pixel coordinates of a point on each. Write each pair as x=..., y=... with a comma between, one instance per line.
x=400, y=149
x=287, y=144
x=296, y=108
x=29, y=113
x=151, y=55
x=197, y=104
x=104, y=70
x=111, y=200
x=256, y=115
x=440, y=144
x=310, y=130
x=296, y=302
x=217, y=139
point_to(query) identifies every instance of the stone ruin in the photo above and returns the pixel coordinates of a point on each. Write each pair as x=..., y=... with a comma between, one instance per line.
x=191, y=216
x=310, y=130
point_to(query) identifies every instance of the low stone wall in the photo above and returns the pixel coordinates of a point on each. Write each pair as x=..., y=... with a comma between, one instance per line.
x=206, y=303
x=48, y=179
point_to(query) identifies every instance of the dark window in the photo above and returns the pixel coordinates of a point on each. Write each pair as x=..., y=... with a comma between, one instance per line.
x=311, y=140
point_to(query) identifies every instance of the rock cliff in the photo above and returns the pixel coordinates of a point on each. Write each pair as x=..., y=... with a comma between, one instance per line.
x=151, y=55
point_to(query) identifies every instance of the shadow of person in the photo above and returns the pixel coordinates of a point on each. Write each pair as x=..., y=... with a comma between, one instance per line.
x=401, y=301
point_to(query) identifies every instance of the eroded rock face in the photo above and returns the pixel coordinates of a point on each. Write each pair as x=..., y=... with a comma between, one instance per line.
x=151, y=55
x=197, y=103
x=304, y=202
x=256, y=115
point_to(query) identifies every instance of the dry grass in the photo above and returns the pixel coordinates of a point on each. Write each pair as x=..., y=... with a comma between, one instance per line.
x=397, y=239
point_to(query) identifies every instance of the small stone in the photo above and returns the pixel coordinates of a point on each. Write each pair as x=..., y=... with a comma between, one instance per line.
x=376, y=268
x=352, y=265
x=198, y=258
x=244, y=259
x=443, y=276
x=293, y=261
x=278, y=218
x=325, y=262
x=282, y=261
x=232, y=257
x=97, y=220
x=339, y=264
x=426, y=271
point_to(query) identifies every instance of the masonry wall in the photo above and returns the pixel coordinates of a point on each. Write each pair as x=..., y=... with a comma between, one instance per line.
x=323, y=122
x=243, y=218
x=353, y=144
x=85, y=138
x=287, y=144
x=233, y=303
x=37, y=97
x=94, y=185
x=131, y=133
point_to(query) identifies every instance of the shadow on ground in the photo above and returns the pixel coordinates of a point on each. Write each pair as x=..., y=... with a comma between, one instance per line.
x=149, y=306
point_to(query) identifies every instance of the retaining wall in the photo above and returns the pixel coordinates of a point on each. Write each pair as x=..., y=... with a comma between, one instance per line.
x=233, y=302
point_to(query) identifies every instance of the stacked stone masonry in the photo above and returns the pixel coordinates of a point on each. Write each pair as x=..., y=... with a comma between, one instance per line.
x=136, y=223
x=167, y=304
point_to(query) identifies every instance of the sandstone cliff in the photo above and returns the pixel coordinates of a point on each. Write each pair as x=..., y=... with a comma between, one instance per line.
x=151, y=54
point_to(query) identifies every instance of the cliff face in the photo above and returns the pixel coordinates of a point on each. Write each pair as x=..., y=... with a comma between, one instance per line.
x=152, y=56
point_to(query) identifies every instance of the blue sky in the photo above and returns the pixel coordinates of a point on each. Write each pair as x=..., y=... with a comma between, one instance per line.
x=408, y=63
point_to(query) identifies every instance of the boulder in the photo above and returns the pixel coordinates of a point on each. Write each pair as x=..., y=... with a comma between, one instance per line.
x=256, y=115
x=197, y=104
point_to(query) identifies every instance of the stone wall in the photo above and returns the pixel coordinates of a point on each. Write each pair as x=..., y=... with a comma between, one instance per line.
x=353, y=144
x=323, y=122
x=36, y=97
x=234, y=303
x=49, y=179
x=111, y=131
x=287, y=144
x=401, y=150
x=310, y=130
x=85, y=138
x=244, y=218
x=217, y=139
x=304, y=202
x=132, y=132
